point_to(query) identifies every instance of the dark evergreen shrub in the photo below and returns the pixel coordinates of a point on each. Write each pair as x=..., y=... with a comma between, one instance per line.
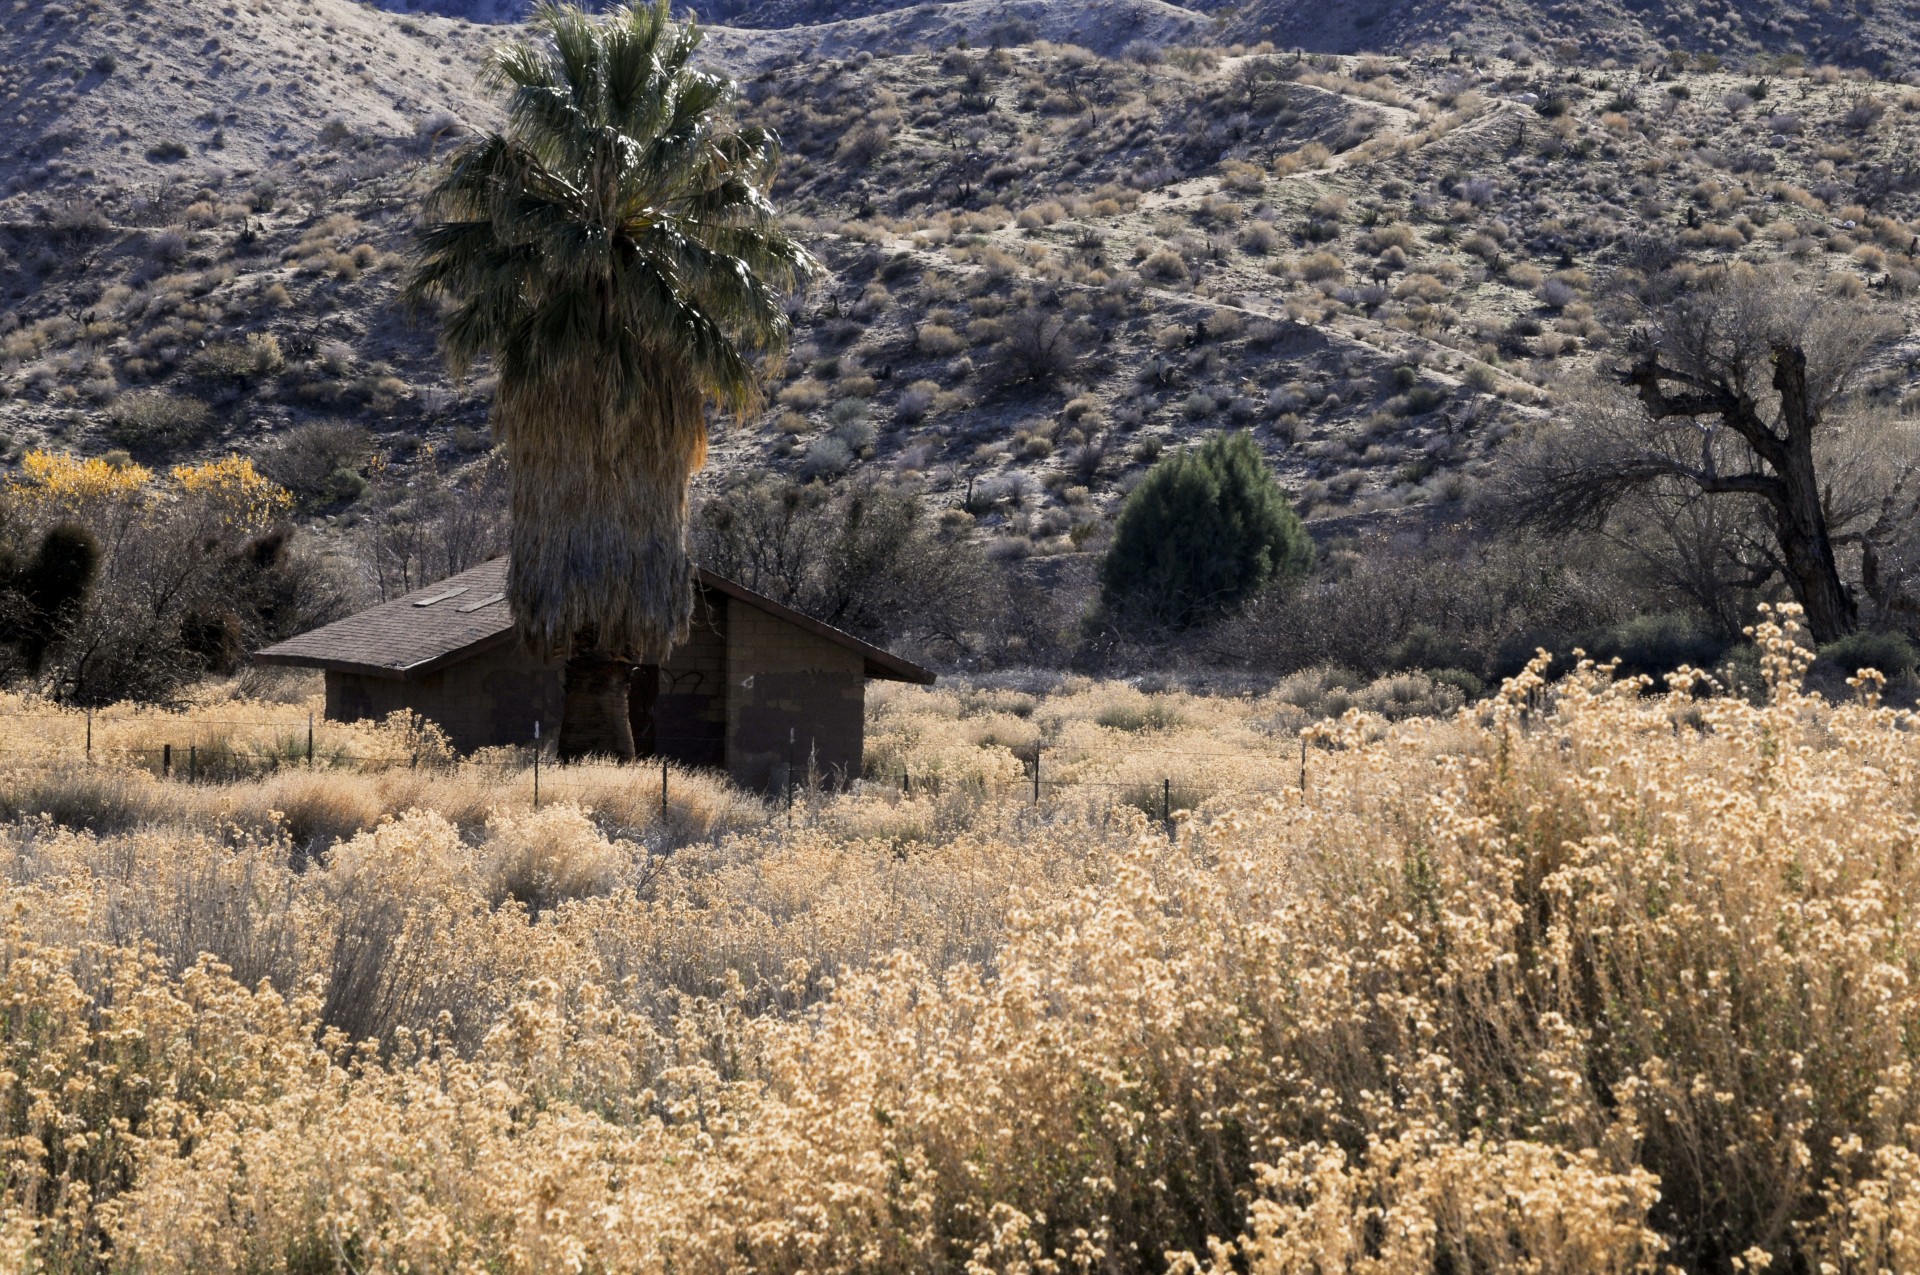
x=1205, y=529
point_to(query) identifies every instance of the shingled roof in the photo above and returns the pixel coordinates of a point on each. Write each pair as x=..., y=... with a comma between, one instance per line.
x=463, y=615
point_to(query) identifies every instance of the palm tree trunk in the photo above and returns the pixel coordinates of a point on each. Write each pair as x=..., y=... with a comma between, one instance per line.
x=599, y=506
x=593, y=714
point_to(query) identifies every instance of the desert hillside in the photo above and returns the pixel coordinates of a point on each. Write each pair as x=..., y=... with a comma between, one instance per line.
x=1874, y=37
x=1878, y=37
x=1047, y=264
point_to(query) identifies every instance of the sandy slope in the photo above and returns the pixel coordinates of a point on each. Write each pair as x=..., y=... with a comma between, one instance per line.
x=1880, y=37
x=1105, y=26
x=154, y=94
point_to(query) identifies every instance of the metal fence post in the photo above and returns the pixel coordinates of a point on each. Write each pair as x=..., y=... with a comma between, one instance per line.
x=89, y=734
x=663, y=790
x=193, y=763
x=309, y=741
x=166, y=761
x=1036, y=774
x=1166, y=803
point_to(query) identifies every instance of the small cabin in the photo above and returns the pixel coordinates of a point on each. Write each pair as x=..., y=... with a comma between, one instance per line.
x=756, y=685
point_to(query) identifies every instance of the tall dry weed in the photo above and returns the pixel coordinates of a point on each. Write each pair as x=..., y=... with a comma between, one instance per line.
x=1590, y=979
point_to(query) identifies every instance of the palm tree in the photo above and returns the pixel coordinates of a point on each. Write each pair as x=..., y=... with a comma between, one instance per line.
x=615, y=253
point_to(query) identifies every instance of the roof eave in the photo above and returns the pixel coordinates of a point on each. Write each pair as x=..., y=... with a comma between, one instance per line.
x=287, y=659
x=390, y=672
x=898, y=670
x=477, y=647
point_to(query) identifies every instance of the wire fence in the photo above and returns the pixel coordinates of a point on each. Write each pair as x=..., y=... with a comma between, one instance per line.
x=291, y=744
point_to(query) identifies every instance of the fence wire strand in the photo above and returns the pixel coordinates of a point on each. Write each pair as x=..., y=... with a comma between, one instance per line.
x=301, y=746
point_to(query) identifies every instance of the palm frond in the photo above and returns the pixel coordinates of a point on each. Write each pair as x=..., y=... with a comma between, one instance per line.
x=613, y=251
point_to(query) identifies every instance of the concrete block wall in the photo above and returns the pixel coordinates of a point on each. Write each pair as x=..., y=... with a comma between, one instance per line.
x=690, y=712
x=492, y=699
x=782, y=678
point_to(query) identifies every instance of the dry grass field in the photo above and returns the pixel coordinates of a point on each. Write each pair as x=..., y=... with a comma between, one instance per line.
x=1587, y=977
x=257, y=755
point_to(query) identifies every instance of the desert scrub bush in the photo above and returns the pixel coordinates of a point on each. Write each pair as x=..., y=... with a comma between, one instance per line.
x=827, y=457
x=803, y=395
x=257, y=356
x=939, y=340
x=916, y=401
x=1259, y=238
x=1146, y=714
x=1391, y=235
x=1312, y=155
x=1046, y=213
x=1164, y=265
x=1318, y=267
x=156, y=419
x=1224, y=324
x=1241, y=177
x=254, y=777
x=1037, y=347
x=321, y=463
x=1890, y=653
x=1863, y=113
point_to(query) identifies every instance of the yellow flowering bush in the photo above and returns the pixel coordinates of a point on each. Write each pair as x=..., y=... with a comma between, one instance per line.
x=59, y=485
x=238, y=495
x=188, y=572
x=1589, y=978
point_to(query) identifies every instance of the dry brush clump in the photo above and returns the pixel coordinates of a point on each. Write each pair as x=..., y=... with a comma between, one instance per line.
x=1588, y=979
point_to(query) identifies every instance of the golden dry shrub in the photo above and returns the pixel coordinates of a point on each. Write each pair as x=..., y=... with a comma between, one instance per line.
x=1584, y=978
x=1310, y=156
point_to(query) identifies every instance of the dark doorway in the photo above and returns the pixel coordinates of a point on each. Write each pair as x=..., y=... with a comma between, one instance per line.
x=643, y=698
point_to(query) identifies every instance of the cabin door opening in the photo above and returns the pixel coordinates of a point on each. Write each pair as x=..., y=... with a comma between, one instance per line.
x=643, y=699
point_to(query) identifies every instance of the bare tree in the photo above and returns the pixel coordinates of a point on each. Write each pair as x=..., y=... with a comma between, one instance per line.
x=1870, y=481
x=1259, y=85
x=1699, y=547
x=437, y=523
x=1735, y=394
x=863, y=555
